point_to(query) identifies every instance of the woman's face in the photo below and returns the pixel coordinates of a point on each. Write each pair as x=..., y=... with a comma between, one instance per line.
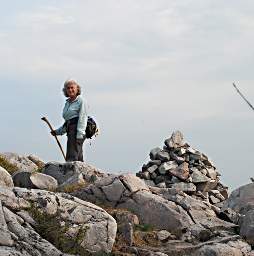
x=72, y=90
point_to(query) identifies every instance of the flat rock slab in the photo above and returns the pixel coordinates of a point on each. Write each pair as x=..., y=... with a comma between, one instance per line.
x=64, y=171
x=43, y=181
x=133, y=183
x=114, y=190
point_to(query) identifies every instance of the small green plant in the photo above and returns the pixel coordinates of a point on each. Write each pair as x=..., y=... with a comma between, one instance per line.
x=144, y=227
x=40, y=169
x=93, y=178
x=9, y=167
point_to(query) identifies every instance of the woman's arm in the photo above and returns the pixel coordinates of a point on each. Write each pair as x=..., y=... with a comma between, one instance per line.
x=61, y=130
x=82, y=121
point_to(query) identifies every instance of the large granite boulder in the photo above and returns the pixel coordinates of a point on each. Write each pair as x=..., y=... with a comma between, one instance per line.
x=158, y=212
x=165, y=208
x=130, y=192
x=26, y=179
x=67, y=224
x=62, y=172
x=241, y=200
x=43, y=181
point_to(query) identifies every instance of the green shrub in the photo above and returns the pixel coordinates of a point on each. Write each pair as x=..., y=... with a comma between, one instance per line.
x=144, y=227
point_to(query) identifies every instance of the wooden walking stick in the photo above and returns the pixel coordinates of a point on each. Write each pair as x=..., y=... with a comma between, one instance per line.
x=58, y=142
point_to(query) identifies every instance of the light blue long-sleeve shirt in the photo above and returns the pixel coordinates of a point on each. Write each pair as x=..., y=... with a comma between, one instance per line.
x=76, y=108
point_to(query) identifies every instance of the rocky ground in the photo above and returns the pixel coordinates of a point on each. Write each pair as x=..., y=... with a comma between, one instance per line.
x=176, y=205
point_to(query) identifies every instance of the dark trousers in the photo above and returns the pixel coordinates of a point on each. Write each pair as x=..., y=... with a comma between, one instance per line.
x=74, y=146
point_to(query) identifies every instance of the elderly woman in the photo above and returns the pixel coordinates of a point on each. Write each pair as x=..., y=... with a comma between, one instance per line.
x=75, y=116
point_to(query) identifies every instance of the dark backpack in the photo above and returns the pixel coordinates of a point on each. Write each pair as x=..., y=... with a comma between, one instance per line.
x=91, y=128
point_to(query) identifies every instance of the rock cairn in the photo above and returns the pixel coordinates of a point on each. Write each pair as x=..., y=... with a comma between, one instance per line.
x=181, y=167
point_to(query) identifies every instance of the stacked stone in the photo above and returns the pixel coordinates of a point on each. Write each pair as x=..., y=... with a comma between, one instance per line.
x=184, y=168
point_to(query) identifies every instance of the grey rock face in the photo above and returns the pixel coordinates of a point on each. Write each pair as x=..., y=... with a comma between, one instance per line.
x=70, y=217
x=162, y=213
x=241, y=199
x=247, y=227
x=137, y=197
x=6, y=179
x=114, y=190
x=5, y=234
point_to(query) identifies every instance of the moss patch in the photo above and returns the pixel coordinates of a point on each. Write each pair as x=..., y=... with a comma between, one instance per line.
x=9, y=167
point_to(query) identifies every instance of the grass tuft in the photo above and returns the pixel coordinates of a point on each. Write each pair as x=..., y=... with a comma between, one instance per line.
x=9, y=167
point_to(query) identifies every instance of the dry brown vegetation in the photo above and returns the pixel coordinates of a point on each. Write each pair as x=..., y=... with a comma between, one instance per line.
x=9, y=167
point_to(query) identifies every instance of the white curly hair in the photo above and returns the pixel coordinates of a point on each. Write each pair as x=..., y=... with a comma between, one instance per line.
x=69, y=82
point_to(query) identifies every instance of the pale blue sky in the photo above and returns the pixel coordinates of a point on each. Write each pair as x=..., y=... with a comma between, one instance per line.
x=146, y=67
